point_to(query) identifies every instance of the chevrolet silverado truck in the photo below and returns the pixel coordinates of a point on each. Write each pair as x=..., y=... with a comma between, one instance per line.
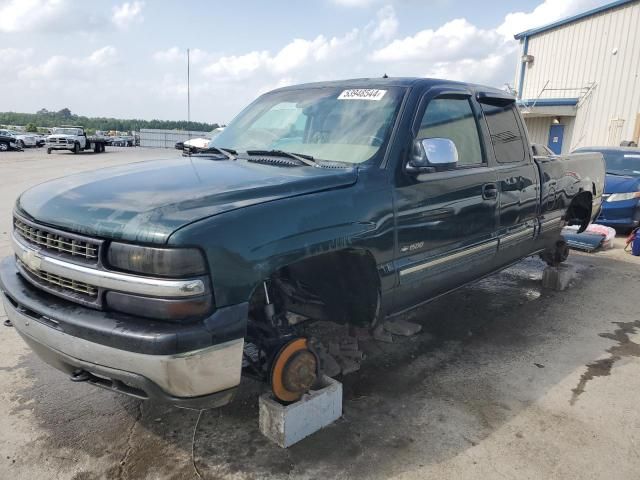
x=74, y=139
x=350, y=202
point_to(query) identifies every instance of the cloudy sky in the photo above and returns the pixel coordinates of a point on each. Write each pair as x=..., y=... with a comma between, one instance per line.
x=128, y=59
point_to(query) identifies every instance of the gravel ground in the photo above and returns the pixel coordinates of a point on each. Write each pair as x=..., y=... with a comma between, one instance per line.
x=506, y=380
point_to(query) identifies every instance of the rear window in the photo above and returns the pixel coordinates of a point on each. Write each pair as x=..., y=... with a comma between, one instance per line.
x=506, y=136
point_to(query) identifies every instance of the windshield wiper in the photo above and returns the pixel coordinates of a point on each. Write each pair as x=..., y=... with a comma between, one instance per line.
x=230, y=153
x=301, y=157
x=619, y=173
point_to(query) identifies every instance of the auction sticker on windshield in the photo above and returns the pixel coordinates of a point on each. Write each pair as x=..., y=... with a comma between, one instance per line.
x=362, y=94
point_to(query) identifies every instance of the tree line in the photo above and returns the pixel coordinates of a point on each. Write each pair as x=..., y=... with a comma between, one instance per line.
x=45, y=118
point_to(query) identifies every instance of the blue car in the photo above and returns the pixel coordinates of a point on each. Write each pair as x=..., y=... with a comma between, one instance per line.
x=621, y=199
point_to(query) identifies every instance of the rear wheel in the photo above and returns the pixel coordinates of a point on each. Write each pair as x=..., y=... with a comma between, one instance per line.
x=4, y=146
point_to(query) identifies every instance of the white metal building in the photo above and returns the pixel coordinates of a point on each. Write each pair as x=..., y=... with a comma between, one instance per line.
x=155, y=138
x=578, y=80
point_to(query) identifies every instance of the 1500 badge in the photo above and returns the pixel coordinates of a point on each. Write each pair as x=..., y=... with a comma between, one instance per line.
x=413, y=247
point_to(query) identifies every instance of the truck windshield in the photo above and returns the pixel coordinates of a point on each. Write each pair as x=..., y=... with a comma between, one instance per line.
x=66, y=131
x=622, y=163
x=337, y=124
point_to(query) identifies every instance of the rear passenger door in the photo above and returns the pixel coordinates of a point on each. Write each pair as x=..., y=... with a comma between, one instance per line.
x=446, y=220
x=517, y=176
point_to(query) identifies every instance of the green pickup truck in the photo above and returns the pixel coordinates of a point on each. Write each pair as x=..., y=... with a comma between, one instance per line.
x=350, y=202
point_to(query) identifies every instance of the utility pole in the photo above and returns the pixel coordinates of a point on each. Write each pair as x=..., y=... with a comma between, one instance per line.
x=188, y=92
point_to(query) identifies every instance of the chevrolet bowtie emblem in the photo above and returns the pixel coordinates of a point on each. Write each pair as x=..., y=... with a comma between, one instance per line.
x=32, y=259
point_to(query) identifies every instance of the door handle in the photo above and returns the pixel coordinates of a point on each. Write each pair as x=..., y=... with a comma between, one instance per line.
x=489, y=191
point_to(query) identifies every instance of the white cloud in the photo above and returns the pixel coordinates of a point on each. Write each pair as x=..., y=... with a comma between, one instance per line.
x=169, y=55
x=65, y=16
x=547, y=12
x=224, y=81
x=295, y=54
x=459, y=50
x=454, y=40
x=127, y=14
x=15, y=56
x=386, y=25
x=179, y=55
x=490, y=70
x=355, y=3
x=32, y=15
x=60, y=66
x=239, y=65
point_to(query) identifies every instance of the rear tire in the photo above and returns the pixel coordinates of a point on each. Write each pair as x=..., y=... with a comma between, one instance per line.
x=4, y=146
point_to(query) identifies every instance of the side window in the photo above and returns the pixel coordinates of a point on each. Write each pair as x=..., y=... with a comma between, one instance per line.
x=453, y=118
x=505, y=133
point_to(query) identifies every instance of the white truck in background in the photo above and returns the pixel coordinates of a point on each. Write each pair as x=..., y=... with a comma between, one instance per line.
x=74, y=139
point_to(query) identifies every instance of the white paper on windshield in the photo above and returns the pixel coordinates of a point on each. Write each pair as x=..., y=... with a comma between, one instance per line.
x=362, y=94
x=631, y=155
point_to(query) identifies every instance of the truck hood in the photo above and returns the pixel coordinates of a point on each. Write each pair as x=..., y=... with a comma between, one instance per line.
x=147, y=201
x=621, y=184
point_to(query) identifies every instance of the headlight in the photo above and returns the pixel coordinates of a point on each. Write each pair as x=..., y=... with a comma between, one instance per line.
x=619, y=197
x=164, y=262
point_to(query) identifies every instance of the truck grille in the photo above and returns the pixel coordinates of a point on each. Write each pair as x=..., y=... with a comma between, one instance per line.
x=78, y=292
x=57, y=242
x=61, y=282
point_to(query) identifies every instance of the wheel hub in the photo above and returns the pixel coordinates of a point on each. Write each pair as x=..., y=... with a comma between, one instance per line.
x=294, y=371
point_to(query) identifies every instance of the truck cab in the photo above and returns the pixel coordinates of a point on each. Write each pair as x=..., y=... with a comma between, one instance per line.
x=348, y=202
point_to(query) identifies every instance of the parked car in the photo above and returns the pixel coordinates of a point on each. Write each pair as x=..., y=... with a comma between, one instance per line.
x=22, y=140
x=621, y=206
x=8, y=142
x=41, y=140
x=199, y=142
x=122, y=141
x=350, y=202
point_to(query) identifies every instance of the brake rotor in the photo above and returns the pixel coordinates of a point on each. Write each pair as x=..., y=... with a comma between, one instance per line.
x=294, y=371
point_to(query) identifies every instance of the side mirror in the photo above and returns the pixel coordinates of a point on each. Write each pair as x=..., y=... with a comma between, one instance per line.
x=432, y=155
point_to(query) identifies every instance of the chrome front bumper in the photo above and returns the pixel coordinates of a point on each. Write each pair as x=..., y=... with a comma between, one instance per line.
x=174, y=378
x=193, y=364
x=192, y=374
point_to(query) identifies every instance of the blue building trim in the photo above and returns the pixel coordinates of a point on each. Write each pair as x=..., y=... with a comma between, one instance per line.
x=523, y=66
x=550, y=102
x=580, y=16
